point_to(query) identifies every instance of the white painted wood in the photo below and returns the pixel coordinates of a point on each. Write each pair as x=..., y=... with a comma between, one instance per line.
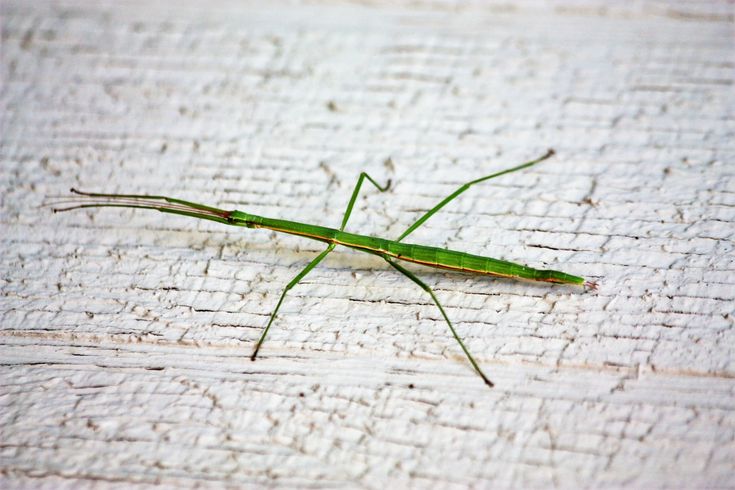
x=124, y=336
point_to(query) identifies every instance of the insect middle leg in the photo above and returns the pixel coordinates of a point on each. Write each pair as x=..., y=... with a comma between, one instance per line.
x=291, y=284
x=318, y=258
x=355, y=192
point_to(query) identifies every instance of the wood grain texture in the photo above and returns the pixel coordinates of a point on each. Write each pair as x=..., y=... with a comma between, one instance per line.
x=124, y=339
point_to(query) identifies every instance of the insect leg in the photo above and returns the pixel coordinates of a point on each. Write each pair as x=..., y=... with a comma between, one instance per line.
x=426, y=288
x=362, y=177
x=466, y=186
x=291, y=284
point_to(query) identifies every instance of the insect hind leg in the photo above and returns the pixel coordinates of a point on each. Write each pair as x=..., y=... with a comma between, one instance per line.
x=426, y=288
x=466, y=186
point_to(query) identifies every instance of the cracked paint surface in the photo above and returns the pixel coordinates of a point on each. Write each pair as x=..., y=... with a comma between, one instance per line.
x=124, y=338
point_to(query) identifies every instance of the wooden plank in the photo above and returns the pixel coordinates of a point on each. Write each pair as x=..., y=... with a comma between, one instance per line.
x=124, y=336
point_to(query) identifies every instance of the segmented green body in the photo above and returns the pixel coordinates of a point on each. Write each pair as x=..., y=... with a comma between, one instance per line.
x=390, y=250
x=420, y=254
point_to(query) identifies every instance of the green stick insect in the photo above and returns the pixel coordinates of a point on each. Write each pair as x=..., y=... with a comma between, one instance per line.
x=390, y=250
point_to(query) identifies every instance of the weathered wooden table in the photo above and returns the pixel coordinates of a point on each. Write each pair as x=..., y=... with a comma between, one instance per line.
x=124, y=338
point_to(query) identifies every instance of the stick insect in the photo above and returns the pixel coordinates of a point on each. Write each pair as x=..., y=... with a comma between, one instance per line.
x=392, y=251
